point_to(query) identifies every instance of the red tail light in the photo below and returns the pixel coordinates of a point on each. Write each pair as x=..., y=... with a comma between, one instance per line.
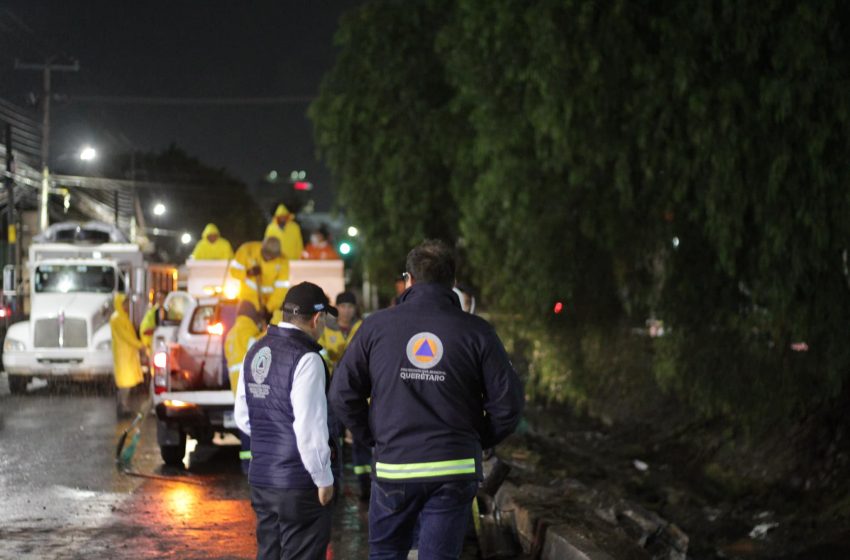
x=160, y=372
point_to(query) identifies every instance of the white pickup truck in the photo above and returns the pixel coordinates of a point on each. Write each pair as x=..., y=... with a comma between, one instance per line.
x=190, y=385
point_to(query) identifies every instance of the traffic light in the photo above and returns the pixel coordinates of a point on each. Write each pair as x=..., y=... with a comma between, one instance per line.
x=345, y=248
x=302, y=186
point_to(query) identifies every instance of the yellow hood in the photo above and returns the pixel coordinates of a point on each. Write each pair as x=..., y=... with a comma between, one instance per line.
x=211, y=229
x=282, y=210
x=118, y=302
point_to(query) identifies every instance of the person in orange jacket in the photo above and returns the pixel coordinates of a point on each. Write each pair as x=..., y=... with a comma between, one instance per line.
x=319, y=247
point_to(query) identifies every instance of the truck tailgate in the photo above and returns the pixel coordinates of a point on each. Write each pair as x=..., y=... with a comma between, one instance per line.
x=201, y=398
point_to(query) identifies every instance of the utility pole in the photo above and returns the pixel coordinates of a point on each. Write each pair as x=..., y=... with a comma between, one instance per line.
x=46, y=68
x=10, y=198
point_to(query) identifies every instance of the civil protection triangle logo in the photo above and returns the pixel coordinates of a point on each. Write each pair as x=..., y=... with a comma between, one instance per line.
x=424, y=350
x=261, y=364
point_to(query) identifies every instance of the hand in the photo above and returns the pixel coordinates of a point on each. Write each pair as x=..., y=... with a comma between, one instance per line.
x=254, y=270
x=326, y=494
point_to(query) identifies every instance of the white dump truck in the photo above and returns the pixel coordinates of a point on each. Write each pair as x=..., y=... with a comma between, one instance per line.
x=74, y=270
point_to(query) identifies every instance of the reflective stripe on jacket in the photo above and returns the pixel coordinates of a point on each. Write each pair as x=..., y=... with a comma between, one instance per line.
x=441, y=387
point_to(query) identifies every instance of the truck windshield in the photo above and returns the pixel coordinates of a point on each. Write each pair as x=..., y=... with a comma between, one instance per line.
x=63, y=279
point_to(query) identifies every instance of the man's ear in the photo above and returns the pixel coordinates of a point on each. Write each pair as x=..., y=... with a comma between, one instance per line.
x=314, y=320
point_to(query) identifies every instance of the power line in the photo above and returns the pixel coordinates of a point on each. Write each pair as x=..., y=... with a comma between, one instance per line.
x=41, y=44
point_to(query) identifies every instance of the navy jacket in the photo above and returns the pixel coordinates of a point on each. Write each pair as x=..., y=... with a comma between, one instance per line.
x=269, y=370
x=432, y=372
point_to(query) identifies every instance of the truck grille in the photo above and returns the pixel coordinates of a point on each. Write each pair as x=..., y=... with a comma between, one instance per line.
x=47, y=333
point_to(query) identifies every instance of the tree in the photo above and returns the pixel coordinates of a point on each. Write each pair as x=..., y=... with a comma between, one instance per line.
x=199, y=194
x=380, y=124
x=579, y=139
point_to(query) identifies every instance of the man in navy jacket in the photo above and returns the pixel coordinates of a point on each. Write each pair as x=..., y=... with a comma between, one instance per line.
x=441, y=389
x=281, y=404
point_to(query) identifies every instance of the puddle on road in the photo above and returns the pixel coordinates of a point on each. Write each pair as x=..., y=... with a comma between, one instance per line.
x=63, y=498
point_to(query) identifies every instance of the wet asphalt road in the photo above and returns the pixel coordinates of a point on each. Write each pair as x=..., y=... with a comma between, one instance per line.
x=63, y=498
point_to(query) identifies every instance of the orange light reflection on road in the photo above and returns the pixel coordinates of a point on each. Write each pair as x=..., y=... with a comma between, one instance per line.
x=182, y=500
x=177, y=515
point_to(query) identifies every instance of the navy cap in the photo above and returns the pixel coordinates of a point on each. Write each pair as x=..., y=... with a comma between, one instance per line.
x=307, y=298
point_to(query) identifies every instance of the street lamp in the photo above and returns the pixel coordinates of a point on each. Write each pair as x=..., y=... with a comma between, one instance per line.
x=186, y=238
x=158, y=209
x=88, y=153
x=353, y=231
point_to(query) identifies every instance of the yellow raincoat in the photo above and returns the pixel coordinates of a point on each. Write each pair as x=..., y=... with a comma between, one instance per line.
x=125, y=347
x=335, y=342
x=291, y=243
x=220, y=250
x=266, y=290
x=147, y=326
x=241, y=336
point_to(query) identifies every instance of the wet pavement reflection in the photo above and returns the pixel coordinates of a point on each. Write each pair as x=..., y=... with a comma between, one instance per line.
x=62, y=496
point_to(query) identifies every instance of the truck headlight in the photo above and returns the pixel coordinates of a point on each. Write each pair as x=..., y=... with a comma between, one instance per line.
x=12, y=345
x=104, y=345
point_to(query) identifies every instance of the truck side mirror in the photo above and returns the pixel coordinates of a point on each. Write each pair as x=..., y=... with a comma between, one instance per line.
x=10, y=285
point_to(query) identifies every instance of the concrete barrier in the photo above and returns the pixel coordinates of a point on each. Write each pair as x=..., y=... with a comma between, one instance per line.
x=572, y=521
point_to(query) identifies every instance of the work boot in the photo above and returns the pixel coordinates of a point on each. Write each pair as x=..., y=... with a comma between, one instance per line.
x=122, y=403
x=123, y=412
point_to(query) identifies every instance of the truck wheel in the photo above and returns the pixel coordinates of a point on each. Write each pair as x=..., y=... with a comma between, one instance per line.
x=18, y=384
x=172, y=455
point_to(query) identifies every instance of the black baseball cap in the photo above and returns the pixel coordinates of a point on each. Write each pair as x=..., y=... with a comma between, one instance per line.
x=307, y=298
x=346, y=297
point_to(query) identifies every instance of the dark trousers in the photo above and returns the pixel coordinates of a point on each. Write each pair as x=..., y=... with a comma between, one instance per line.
x=442, y=509
x=291, y=524
x=361, y=458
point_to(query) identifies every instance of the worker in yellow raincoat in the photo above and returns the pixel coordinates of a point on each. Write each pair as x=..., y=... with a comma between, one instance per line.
x=212, y=246
x=127, y=366
x=334, y=340
x=153, y=317
x=338, y=333
x=263, y=273
x=284, y=227
x=244, y=333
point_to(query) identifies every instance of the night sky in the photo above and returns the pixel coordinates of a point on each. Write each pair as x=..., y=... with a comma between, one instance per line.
x=180, y=49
